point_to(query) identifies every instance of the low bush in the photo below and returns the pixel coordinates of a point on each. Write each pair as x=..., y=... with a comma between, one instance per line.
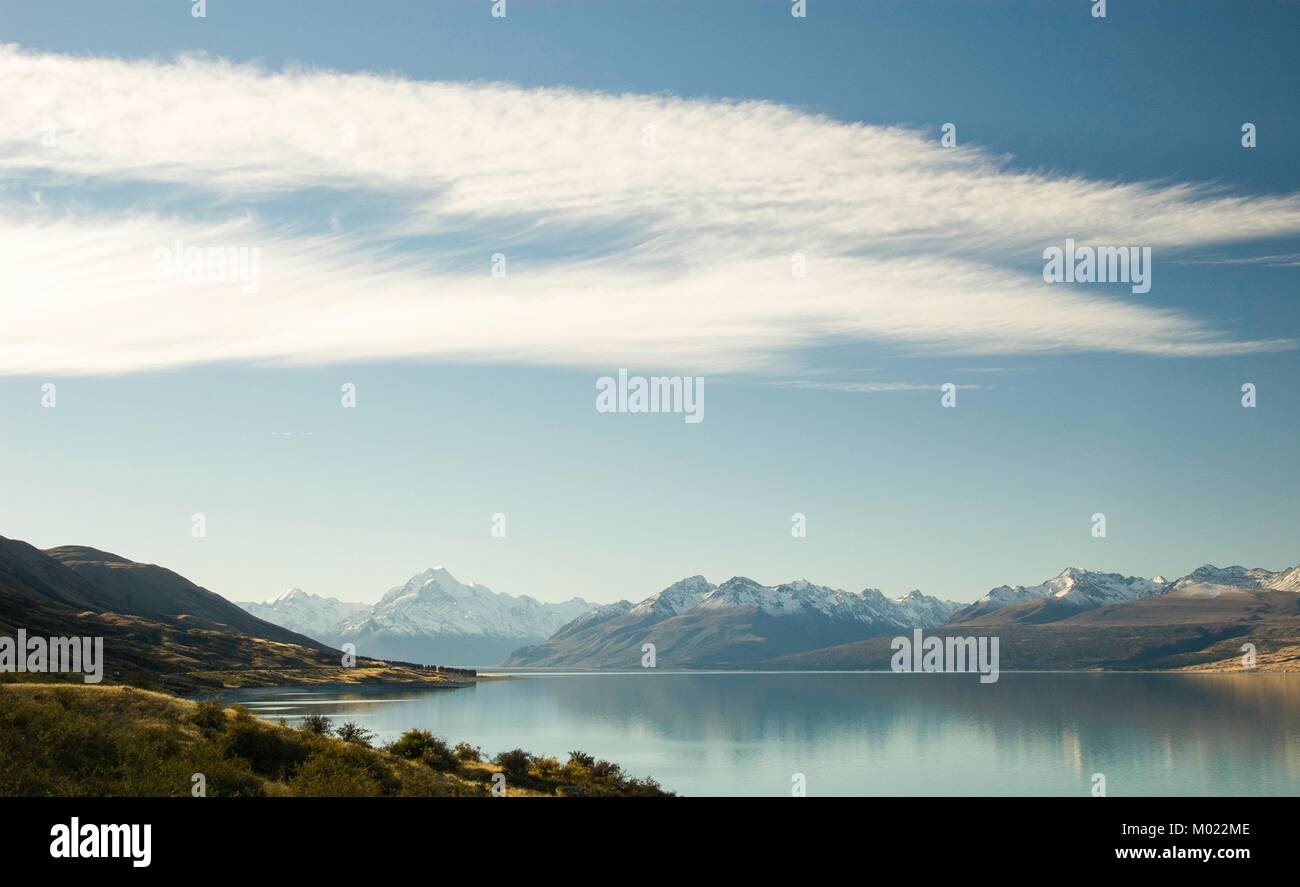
x=466, y=753
x=423, y=746
x=317, y=724
x=355, y=733
x=271, y=752
x=514, y=763
x=209, y=716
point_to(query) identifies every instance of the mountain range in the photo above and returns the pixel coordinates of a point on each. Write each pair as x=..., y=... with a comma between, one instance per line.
x=1077, y=619
x=1069, y=592
x=160, y=629
x=1087, y=620
x=433, y=617
x=740, y=623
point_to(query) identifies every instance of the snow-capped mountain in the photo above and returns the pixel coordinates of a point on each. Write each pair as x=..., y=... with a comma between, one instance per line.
x=676, y=598
x=436, y=603
x=1285, y=580
x=1083, y=589
x=924, y=611
x=310, y=614
x=801, y=597
x=1210, y=580
x=602, y=613
x=435, y=618
x=432, y=618
x=1074, y=591
x=693, y=623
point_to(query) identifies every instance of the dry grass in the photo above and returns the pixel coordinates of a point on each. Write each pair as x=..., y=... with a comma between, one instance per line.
x=277, y=677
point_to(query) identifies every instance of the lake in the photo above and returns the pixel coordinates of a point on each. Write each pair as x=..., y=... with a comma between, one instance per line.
x=747, y=733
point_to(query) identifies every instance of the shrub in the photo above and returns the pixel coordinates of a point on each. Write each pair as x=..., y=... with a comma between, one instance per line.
x=209, y=716
x=411, y=744
x=514, y=763
x=547, y=768
x=355, y=733
x=604, y=770
x=317, y=724
x=226, y=779
x=581, y=759
x=423, y=746
x=643, y=788
x=465, y=752
x=269, y=751
x=330, y=773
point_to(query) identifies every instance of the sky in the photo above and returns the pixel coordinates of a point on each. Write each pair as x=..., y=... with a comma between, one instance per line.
x=649, y=176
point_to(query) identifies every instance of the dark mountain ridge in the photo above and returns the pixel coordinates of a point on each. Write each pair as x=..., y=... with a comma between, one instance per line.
x=160, y=630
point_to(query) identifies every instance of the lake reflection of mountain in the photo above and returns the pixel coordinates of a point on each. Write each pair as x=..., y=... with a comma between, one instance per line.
x=856, y=733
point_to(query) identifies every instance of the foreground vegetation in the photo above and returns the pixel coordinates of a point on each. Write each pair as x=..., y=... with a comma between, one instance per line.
x=82, y=740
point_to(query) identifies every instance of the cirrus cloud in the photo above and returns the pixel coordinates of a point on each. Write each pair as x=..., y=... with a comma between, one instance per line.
x=644, y=230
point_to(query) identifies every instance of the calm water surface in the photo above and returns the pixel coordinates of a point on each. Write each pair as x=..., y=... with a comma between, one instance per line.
x=737, y=733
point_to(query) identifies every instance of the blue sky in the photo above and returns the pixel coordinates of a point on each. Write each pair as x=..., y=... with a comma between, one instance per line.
x=1078, y=400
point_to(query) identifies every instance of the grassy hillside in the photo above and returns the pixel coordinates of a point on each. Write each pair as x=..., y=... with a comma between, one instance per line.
x=75, y=740
x=154, y=592
x=160, y=630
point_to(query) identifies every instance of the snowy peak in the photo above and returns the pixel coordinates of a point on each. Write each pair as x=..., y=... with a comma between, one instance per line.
x=434, y=582
x=310, y=614
x=432, y=604
x=797, y=597
x=1212, y=580
x=740, y=591
x=1094, y=588
x=1236, y=576
x=676, y=598
x=436, y=603
x=741, y=621
x=290, y=595
x=925, y=611
x=778, y=600
x=1077, y=587
x=1286, y=580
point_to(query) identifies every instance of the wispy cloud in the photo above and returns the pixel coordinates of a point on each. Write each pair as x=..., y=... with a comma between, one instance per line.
x=638, y=230
x=865, y=387
x=1289, y=261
